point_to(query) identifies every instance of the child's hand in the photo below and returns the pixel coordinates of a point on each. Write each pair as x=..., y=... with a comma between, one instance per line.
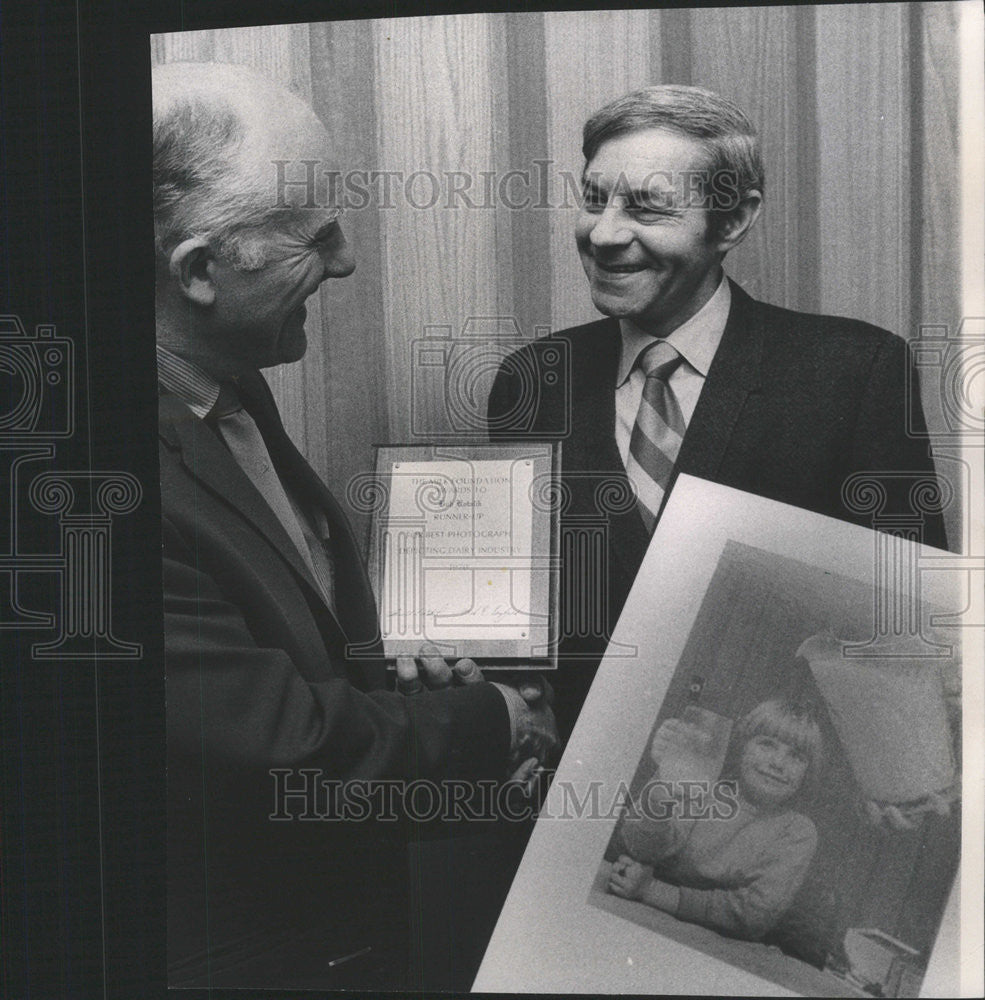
x=629, y=878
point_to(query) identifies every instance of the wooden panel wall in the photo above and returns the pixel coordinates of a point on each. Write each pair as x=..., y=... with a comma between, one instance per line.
x=864, y=145
x=752, y=60
x=434, y=94
x=936, y=193
x=352, y=352
x=856, y=104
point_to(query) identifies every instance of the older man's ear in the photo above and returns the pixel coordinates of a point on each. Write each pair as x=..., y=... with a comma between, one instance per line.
x=191, y=265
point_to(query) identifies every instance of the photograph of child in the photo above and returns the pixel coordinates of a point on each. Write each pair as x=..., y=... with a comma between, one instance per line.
x=796, y=810
x=735, y=871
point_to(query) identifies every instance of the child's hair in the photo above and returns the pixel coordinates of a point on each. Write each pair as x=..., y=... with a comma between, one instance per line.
x=793, y=722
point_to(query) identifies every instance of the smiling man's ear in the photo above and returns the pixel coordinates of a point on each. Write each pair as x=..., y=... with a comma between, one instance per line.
x=190, y=265
x=735, y=226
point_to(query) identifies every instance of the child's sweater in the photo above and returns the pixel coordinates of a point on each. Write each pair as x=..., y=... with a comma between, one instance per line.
x=736, y=875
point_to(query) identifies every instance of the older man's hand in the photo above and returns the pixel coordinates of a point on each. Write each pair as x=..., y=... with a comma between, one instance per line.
x=529, y=698
x=434, y=672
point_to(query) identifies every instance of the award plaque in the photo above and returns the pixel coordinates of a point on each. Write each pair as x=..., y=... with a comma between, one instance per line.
x=463, y=553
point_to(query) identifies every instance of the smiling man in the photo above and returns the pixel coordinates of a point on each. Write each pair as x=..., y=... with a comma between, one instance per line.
x=688, y=373
x=650, y=248
x=278, y=716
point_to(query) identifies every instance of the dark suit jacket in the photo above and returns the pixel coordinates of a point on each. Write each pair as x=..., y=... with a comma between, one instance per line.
x=793, y=405
x=257, y=678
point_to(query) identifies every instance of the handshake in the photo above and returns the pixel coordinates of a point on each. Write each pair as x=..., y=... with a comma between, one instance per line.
x=529, y=697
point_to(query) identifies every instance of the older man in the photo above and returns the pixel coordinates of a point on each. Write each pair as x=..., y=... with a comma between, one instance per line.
x=688, y=373
x=275, y=683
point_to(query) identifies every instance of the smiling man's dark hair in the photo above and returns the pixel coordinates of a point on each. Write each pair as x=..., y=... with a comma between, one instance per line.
x=719, y=126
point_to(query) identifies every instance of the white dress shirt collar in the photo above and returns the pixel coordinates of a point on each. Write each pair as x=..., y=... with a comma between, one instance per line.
x=697, y=339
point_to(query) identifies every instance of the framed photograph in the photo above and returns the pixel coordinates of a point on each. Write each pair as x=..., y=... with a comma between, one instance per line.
x=464, y=551
x=767, y=796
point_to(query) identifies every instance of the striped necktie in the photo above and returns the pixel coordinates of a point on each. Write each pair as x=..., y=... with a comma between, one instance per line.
x=657, y=433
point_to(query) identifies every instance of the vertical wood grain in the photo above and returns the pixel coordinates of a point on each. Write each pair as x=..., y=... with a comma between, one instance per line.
x=807, y=207
x=505, y=214
x=353, y=340
x=279, y=51
x=183, y=46
x=433, y=89
x=672, y=39
x=857, y=110
x=936, y=147
x=591, y=58
x=524, y=135
x=935, y=194
x=863, y=139
x=747, y=54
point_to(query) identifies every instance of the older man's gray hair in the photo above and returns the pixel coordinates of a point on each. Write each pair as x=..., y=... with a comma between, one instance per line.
x=210, y=178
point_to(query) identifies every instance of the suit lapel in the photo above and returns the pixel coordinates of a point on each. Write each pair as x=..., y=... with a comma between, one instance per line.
x=354, y=599
x=735, y=372
x=210, y=464
x=590, y=447
x=205, y=458
x=591, y=453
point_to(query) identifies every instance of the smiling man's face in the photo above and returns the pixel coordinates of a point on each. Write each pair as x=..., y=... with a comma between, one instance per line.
x=647, y=248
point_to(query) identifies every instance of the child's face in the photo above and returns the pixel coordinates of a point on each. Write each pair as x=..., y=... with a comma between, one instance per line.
x=770, y=770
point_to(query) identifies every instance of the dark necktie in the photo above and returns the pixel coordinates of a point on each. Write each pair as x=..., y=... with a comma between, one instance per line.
x=657, y=433
x=252, y=453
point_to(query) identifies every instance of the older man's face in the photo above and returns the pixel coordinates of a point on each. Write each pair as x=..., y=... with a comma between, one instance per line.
x=260, y=314
x=647, y=250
